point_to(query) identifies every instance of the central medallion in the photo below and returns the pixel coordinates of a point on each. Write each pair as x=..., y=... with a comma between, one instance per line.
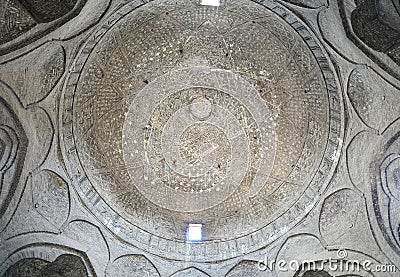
x=183, y=140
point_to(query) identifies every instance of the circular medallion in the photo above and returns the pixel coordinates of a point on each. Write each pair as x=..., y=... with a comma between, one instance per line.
x=176, y=113
x=181, y=141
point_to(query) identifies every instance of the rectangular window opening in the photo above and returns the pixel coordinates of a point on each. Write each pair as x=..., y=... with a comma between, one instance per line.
x=194, y=233
x=214, y=3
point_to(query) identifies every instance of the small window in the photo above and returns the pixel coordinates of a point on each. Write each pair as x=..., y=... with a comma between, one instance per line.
x=214, y=3
x=194, y=233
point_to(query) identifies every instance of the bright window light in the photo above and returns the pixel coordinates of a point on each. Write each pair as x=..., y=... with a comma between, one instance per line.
x=215, y=3
x=194, y=233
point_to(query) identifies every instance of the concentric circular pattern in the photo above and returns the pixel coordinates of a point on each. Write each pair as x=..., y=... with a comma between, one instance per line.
x=385, y=192
x=190, y=110
x=227, y=116
x=13, y=144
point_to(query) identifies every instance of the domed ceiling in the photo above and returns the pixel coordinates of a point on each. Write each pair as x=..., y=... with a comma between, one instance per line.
x=181, y=113
x=262, y=122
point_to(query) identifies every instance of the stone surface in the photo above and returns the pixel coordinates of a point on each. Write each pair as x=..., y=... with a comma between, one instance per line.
x=46, y=11
x=14, y=20
x=34, y=75
x=65, y=265
x=373, y=27
x=376, y=23
x=13, y=144
x=376, y=110
x=246, y=268
x=224, y=137
x=386, y=193
x=23, y=22
x=309, y=3
x=343, y=222
x=190, y=272
x=50, y=197
x=125, y=265
x=273, y=124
